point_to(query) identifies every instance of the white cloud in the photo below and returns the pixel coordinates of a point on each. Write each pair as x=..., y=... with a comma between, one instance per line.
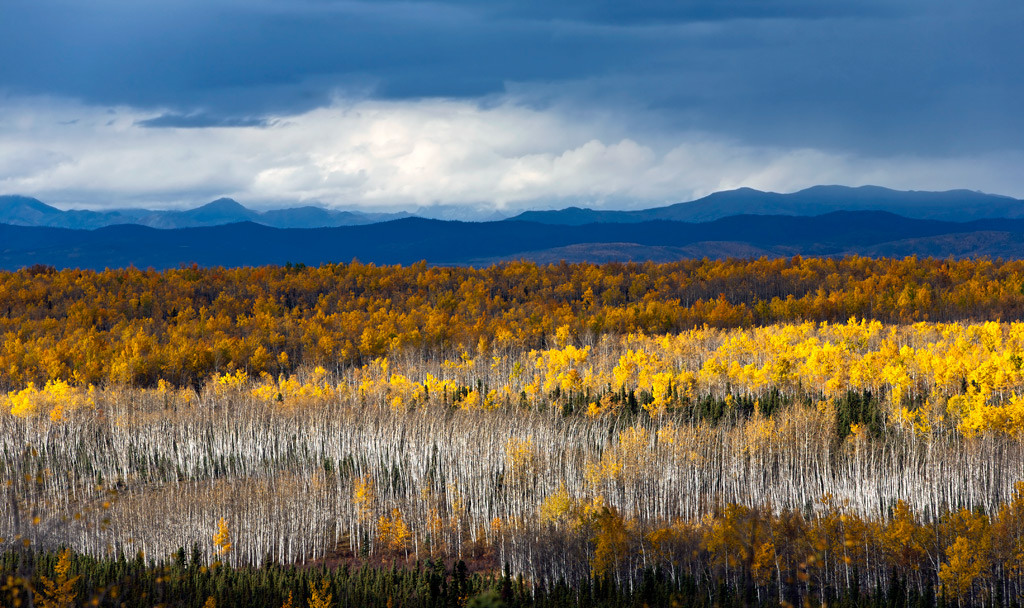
x=422, y=152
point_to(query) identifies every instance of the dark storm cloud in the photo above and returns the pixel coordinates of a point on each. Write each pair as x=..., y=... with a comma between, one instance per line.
x=199, y=121
x=897, y=76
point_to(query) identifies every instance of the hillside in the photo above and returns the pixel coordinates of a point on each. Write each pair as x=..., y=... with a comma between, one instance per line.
x=410, y=240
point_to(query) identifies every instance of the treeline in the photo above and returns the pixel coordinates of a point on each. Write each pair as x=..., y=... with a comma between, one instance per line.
x=181, y=325
x=737, y=556
x=181, y=582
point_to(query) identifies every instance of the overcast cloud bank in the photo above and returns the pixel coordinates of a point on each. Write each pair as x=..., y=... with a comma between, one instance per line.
x=404, y=154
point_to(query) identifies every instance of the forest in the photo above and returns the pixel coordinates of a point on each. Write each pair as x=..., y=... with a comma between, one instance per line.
x=763, y=432
x=140, y=326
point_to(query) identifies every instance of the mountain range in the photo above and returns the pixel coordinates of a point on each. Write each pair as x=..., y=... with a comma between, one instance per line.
x=27, y=211
x=953, y=205
x=825, y=221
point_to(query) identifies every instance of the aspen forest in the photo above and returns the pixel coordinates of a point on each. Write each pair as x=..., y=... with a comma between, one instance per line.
x=803, y=431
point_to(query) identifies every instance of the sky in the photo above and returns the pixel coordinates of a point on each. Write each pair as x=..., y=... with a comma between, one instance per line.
x=481, y=106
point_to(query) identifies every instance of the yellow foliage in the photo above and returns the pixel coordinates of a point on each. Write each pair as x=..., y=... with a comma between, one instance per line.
x=968, y=556
x=557, y=507
x=57, y=398
x=611, y=541
x=319, y=597
x=392, y=532
x=605, y=407
x=666, y=541
x=623, y=461
x=727, y=538
x=1008, y=532
x=364, y=496
x=561, y=368
x=969, y=376
x=758, y=434
x=222, y=538
x=294, y=390
x=903, y=539
x=961, y=569
x=230, y=382
x=521, y=459
x=470, y=400
x=764, y=562
x=59, y=592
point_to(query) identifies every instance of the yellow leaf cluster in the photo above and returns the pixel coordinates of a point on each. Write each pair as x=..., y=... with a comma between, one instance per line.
x=59, y=592
x=319, y=596
x=364, y=497
x=57, y=398
x=521, y=460
x=222, y=538
x=392, y=532
x=624, y=460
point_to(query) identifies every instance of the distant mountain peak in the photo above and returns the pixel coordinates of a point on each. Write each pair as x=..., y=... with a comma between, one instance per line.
x=27, y=211
x=223, y=204
x=11, y=201
x=220, y=211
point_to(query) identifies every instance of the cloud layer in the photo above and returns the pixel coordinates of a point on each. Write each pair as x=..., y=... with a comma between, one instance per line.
x=505, y=102
x=409, y=153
